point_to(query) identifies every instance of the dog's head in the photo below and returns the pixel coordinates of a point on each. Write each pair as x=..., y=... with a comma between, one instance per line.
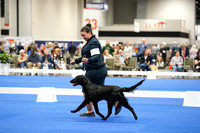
x=79, y=80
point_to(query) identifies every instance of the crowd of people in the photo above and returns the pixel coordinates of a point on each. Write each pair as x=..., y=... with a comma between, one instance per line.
x=154, y=57
x=52, y=56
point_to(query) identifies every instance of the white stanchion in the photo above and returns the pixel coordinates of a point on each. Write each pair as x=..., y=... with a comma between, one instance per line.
x=192, y=98
x=4, y=69
x=46, y=94
x=151, y=75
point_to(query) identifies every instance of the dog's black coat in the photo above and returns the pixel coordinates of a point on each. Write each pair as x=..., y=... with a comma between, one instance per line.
x=95, y=93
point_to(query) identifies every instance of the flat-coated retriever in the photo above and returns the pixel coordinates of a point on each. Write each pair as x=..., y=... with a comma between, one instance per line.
x=95, y=93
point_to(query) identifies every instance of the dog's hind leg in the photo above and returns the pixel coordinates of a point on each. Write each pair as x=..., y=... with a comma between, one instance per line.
x=97, y=109
x=123, y=101
x=110, y=105
x=81, y=106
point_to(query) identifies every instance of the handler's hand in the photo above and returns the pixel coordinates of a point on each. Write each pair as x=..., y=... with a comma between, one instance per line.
x=72, y=62
x=84, y=60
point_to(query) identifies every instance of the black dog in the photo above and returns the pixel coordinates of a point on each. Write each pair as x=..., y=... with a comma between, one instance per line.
x=95, y=93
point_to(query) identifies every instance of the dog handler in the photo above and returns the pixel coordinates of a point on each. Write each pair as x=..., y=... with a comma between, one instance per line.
x=93, y=63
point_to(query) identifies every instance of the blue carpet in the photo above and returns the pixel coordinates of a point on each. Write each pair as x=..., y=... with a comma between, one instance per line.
x=21, y=114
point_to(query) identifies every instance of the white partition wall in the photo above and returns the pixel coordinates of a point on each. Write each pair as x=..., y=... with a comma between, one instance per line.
x=55, y=19
x=175, y=10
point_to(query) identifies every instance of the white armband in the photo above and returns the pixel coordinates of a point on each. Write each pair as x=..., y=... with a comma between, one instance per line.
x=94, y=51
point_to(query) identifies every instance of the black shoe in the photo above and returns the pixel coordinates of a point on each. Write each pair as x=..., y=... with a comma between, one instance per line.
x=118, y=109
x=88, y=114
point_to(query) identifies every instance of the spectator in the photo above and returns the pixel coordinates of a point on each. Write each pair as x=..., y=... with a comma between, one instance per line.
x=47, y=60
x=80, y=46
x=197, y=62
x=173, y=48
x=119, y=60
x=72, y=50
x=42, y=48
x=58, y=59
x=154, y=51
x=63, y=49
x=6, y=47
x=107, y=46
x=106, y=55
x=22, y=58
x=13, y=49
x=144, y=60
x=163, y=50
x=176, y=62
x=184, y=51
x=19, y=47
x=32, y=46
x=193, y=51
x=1, y=47
x=34, y=60
x=128, y=50
x=141, y=47
x=49, y=47
x=56, y=45
x=159, y=60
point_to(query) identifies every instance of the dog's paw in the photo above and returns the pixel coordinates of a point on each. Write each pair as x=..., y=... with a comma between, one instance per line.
x=135, y=117
x=73, y=111
x=104, y=118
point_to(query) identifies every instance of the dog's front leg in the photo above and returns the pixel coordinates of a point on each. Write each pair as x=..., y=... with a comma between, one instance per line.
x=80, y=106
x=97, y=110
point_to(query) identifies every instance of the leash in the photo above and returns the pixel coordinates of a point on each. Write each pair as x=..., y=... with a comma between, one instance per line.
x=84, y=66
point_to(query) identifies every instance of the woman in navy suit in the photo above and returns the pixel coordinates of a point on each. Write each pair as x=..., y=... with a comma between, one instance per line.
x=93, y=63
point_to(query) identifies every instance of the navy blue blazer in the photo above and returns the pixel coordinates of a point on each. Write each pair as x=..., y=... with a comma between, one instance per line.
x=94, y=61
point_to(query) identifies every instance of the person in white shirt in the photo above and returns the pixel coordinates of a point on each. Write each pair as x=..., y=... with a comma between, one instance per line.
x=177, y=62
x=128, y=50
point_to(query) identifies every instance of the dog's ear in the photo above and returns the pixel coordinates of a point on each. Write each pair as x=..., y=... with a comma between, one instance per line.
x=84, y=80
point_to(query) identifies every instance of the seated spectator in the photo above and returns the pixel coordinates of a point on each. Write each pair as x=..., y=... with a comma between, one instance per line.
x=30, y=46
x=193, y=51
x=22, y=58
x=1, y=47
x=184, y=51
x=128, y=50
x=13, y=49
x=49, y=47
x=144, y=60
x=47, y=60
x=153, y=66
x=34, y=60
x=42, y=48
x=58, y=59
x=107, y=46
x=176, y=62
x=119, y=60
x=159, y=60
x=56, y=45
x=106, y=55
x=197, y=62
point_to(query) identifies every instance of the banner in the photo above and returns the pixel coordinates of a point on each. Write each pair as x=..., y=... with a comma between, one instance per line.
x=91, y=16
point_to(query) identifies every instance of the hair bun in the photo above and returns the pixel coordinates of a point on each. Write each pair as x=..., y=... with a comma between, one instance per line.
x=89, y=25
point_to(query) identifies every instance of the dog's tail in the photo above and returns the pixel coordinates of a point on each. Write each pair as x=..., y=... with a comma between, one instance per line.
x=132, y=88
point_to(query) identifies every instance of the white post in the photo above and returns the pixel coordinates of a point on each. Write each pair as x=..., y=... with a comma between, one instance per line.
x=192, y=98
x=46, y=94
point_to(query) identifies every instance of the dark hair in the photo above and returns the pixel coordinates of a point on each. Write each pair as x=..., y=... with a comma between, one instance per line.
x=87, y=28
x=175, y=52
